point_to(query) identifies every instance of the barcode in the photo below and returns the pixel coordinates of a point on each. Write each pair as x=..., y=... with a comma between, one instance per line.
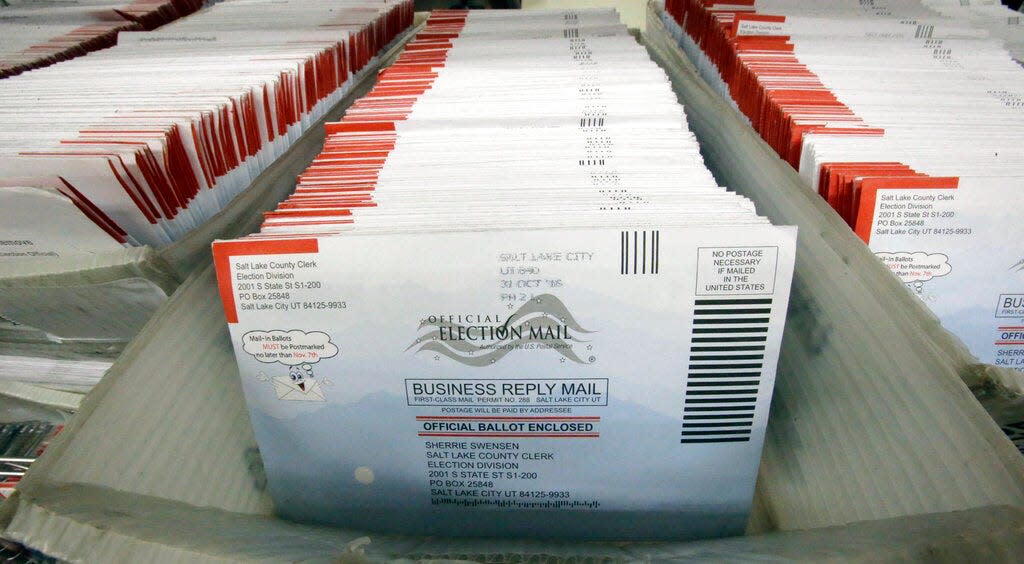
x=724, y=371
x=640, y=252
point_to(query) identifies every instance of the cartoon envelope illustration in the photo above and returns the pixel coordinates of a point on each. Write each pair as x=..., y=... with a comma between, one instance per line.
x=308, y=390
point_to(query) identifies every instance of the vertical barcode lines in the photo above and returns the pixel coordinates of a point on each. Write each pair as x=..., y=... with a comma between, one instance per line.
x=640, y=252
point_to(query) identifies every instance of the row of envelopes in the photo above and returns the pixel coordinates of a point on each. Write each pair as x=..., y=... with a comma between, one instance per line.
x=116, y=168
x=37, y=34
x=905, y=115
x=911, y=445
x=508, y=264
x=153, y=137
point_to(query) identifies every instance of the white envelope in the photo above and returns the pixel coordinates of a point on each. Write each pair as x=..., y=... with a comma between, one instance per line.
x=291, y=391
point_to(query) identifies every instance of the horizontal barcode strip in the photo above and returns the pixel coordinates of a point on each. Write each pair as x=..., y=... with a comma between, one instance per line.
x=727, y=383
x=724, y=370
x=740, y=425
x=728, y=357
x=722, y=366
x=747, y=339
x=728, y=348
x=750, y=399
x=722, y=392
x=748, y=417
x=722, y=440
x=730, y=330
x=712, y=433
x=726, y=375
x=742, y=301
x=730, y=321
x=732, y=311
x=722, y=408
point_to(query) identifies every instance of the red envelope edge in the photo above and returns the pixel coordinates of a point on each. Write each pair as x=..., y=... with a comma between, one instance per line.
x=224, y=250
x=869, y=194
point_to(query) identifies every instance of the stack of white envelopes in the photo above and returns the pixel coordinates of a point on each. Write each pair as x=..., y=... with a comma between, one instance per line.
x=37, y=34
x=117, y=169
x=508, y=299
x=908, y=122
